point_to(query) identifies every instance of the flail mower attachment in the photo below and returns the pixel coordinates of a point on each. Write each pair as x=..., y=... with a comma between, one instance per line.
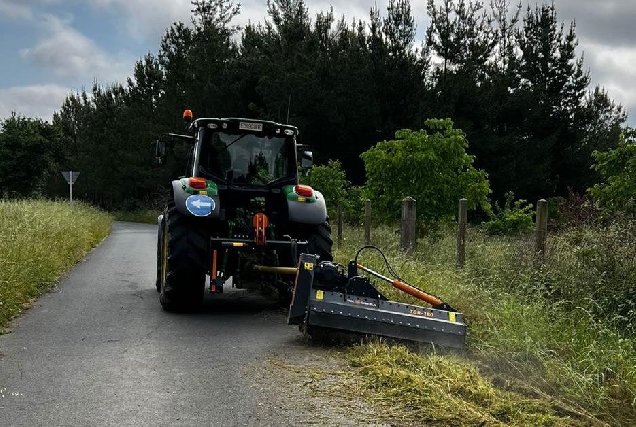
x=326, y=299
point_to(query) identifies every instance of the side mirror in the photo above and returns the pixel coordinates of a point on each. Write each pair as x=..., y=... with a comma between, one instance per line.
x=307, y=160
x=160, y=151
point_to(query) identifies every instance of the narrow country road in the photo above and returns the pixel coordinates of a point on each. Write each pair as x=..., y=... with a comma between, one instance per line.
x=99, y=350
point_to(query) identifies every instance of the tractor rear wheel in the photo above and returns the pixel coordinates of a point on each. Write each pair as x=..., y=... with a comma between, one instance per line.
x=320, y=242
x=159, y=252
x=183, y=268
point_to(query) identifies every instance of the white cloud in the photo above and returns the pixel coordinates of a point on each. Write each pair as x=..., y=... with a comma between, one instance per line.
x=612, y=67
x=14, y=9
x=23, y=9
x=32, y=101
x=352, y=9
x=608, y=21
x=148, y=19
x=67, y=53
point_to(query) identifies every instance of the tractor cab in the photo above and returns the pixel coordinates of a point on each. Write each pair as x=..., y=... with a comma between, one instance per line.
x=236, y=152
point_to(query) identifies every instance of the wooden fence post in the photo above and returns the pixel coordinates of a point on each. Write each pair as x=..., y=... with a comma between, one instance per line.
x=367, y=222
x=339, y=223
x=461, y=233
x=408, y=237
x=542, y=225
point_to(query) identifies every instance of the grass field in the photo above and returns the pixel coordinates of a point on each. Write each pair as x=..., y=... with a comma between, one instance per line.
x=39, y=241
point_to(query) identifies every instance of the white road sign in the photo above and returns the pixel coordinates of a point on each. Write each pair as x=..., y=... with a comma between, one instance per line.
x=70, y=176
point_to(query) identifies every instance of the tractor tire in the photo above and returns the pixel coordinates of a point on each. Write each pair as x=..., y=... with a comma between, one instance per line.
x=159, y=260
x=320, y=242
x=183, y=268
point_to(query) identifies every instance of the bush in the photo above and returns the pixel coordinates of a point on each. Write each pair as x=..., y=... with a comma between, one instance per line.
x=574, y=211
x=353, y=206
x=514, y=218
x=617, y=192
x=331, y=181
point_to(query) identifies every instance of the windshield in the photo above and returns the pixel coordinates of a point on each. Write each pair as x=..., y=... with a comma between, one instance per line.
x=243, y=157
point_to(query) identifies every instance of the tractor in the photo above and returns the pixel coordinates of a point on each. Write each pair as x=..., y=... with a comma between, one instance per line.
x=239, y=211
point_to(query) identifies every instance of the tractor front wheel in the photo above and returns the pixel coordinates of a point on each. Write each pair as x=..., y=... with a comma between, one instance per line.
x=320, y=242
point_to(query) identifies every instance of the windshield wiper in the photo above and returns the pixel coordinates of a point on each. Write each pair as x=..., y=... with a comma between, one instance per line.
x=231, y=143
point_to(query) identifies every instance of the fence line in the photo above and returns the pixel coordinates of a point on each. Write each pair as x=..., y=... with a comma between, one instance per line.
x=339, y=224
x=367, y=222
x=541, y=226
x=535, y=243
x=408, y=233
x=408, y=237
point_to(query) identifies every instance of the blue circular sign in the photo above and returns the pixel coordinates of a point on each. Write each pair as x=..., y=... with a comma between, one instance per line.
x=199, y=205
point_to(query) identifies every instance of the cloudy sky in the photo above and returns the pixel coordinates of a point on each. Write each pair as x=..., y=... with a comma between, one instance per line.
x=49, y=48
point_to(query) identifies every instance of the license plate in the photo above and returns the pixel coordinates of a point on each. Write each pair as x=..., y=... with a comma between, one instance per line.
x=257, y=127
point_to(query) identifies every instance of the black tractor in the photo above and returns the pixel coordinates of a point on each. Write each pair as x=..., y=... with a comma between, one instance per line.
x=239, y=212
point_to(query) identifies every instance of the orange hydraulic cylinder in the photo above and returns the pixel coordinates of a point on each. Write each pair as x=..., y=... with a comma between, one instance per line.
x=213, y=271
x=405, y=287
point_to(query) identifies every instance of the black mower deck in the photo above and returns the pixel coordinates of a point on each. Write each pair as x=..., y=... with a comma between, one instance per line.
x=362, y=309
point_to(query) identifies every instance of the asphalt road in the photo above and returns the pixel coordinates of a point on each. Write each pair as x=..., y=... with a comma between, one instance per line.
x=99, y=350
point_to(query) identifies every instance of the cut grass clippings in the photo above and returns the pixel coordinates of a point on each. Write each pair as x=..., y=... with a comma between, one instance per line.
x=447, y=390
x=39, y=241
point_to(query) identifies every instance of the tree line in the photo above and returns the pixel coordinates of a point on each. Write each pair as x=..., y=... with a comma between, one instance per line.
x=510, y=78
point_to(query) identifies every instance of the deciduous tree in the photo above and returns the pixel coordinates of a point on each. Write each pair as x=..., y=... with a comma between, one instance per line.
x=430, y=165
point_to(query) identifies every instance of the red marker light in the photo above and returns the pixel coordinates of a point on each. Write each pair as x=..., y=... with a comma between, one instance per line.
x=304, y=190
x=198, y=183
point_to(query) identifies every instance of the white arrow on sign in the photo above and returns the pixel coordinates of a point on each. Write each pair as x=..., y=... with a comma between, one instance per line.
x=199, y=204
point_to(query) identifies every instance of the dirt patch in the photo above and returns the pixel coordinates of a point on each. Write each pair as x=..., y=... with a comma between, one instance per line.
x=309, y=385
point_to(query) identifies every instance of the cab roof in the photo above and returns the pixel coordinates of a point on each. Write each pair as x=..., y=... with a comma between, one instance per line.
x=243, y=124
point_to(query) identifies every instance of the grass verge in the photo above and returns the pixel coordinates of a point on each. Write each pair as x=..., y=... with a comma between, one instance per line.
x=530, y=359
x=39, y=241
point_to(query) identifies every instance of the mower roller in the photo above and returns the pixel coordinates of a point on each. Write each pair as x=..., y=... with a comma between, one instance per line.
x=326, y=299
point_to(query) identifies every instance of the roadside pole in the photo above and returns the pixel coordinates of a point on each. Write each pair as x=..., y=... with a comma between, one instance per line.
x=70, y=177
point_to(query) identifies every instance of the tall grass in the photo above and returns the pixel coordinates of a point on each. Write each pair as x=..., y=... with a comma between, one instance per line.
x=521, y=326
x=40, y=240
